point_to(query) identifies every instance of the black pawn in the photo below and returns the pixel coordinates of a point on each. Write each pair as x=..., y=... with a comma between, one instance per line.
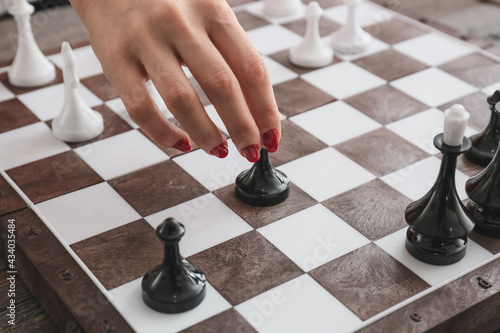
x=484, y=144
x=262, y=185
x=484, y=192
x=173, y=286
x=438, y=222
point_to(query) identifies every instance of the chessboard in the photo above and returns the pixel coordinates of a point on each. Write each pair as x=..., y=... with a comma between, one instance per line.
x=356, y=145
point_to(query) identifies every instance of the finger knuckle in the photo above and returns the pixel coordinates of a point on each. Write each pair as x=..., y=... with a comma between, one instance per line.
x=220, y=82
x=254, y=69
x=179, y=96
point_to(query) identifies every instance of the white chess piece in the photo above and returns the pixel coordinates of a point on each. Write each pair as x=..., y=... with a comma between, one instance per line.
x=281, y=8
x=30, y=67
x=312, y=51
x=350, y=38
x=77, y=121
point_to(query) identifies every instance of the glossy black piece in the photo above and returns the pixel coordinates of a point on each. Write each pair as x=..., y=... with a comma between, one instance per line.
x=262, y=185
x=173, y=286
x=439, y=222
x=483, y=190
x=484, y=144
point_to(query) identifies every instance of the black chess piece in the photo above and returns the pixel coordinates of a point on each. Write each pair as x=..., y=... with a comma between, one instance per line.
x=484, y=144
x=173, y=286
x=483, y=190
x=262, y=185
x=439, y=222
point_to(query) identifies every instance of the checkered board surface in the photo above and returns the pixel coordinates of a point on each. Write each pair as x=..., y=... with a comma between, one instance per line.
x=356, y=144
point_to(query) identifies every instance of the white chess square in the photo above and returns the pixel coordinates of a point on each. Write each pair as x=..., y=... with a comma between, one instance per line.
x=335, y=122
x=213, y=172
x=47, y=103
x=5, y=93
x=299, y=305
x=366, y=14
x=348, y=80
x=394, y=244
x=417, y=179
x=375, y=46
x=121, y=154
x=489, y=90
x=273, y=38
x=214, y=116
x=433, y=86
x=27, y=144
x=421, y=128
x=117, y=106
x=87, y=64
x=81, y=214
x=323, y=174
x=208, y=222
x=257, y=8
x=277, y=72
x=128, y=301
x=434, y=48
x=313, y=237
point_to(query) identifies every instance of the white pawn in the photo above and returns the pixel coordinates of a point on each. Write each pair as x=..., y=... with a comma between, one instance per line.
x=312, y=51
x=30, y=67
x=77, y=121
x=350, y=38
x=281, y=8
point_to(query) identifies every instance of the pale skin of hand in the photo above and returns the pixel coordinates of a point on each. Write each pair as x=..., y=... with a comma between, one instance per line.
x=140, y=39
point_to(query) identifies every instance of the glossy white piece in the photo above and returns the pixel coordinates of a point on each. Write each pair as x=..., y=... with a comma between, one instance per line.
x=312, y=51
x=208, y=222
x=313, y=173
x=297, y=306
x=394, y=244
x=313, y=237
x=350, y=38
x=121, y=154
x=82, y=214
x=77, y=121
x=280, y=8
x=5, y=93
x=30, y=67
x=88, y=64
x=455, y=122
x=128, y=301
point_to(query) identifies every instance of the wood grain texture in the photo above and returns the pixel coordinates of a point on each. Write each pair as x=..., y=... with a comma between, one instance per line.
x=476, y=69
x=394, y=31
x=249, y=21
x=368, y=280
x=15, y=114
x=9, y=199
x=245, y=266
x=54, y=176
x=326, y=26
x=57, y=281
x=100, y=86
x=227, y=321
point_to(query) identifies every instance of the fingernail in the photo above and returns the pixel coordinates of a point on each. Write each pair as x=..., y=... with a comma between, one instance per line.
x=270, y=140
x=182, y=145
x=251, y=153
x=220, y=151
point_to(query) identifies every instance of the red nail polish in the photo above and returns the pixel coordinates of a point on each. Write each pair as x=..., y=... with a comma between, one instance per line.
x=183, y=145
x=220, y=151
x=251, y=153
x=270, y=140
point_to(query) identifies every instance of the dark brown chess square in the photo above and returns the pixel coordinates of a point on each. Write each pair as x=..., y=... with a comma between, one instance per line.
x=257, y=264
x=381, y=151
x=227, y=321
x=489, y=243
x=394, y=31
x=386, y=104
x=296, y=96
x=113, y=125
x=390, y=64
x=475, y=69
x=478, y=107
x=14, y=115
x=352, y=279
x=283, y=58
x=295, y=143
x=19, y=90
x=374, y=209
x=9, y=199
x=54, y=176
x=101, y=87
x=122, y=254
x=260, y=216
x=326, y=26
x=249, y=21
x=157, y=187
x=466, y=166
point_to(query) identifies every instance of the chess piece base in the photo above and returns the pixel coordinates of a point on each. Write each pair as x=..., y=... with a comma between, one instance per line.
x=487, y=219
x=426, y=249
